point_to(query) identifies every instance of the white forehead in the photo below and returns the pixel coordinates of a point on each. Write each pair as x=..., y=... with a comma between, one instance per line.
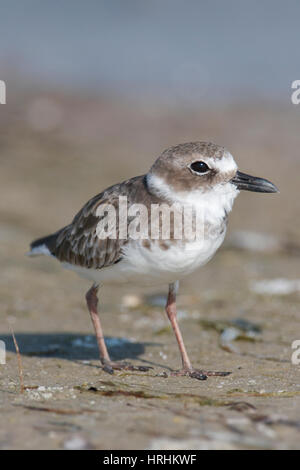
x=226, y=164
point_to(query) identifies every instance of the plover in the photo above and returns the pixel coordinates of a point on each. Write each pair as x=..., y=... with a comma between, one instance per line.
x=199, y=175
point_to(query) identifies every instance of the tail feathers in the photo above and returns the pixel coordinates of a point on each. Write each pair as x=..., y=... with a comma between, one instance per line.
x=43, y=246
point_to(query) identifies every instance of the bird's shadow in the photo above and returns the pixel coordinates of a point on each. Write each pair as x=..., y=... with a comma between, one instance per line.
x=72, y=346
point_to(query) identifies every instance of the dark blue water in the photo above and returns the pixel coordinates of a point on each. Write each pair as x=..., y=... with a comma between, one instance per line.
x=190, y=49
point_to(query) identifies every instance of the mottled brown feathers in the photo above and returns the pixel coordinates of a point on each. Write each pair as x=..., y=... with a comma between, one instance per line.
x=78, y=243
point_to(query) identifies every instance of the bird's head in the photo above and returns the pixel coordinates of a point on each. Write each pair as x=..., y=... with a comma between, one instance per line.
x=201, y=168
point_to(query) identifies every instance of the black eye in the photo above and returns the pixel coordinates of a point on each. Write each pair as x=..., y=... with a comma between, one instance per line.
x=200, y=167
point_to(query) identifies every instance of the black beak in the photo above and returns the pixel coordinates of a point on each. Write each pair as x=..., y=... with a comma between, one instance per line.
x=253, y=183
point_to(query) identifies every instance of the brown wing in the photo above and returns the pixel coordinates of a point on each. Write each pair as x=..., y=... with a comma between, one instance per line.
x=79, y=242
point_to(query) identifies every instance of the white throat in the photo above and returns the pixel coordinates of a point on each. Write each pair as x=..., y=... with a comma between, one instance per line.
x=216, y=202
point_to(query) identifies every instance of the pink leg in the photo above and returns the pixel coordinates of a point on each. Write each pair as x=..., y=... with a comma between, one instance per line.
x=92, y=303
x=171, y=312
x=187, y=368
x=108, y=365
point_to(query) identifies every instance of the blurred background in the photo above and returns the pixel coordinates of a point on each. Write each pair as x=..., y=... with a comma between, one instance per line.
x=95, y=91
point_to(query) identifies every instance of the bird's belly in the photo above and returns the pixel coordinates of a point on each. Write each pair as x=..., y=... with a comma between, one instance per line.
x=155, y=264
x=167, y=262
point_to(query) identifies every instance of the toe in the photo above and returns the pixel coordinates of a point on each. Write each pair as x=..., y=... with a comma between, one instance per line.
x=212, y=373
x=111, y=366
x=108, y=368
x=197, y=374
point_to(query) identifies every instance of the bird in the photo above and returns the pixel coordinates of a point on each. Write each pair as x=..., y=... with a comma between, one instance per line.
x=105, y=243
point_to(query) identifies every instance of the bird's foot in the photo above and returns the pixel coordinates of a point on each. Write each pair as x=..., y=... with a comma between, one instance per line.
x=111, y=366
x=198, y=373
